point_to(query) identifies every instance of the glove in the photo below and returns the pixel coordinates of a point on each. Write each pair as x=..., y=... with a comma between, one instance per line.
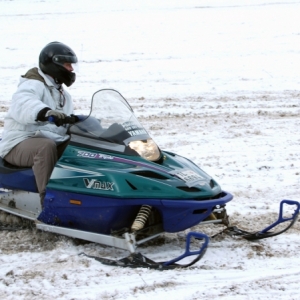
x=56, y=114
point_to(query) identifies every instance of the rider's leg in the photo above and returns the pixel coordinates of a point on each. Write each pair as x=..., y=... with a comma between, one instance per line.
x=38, y=153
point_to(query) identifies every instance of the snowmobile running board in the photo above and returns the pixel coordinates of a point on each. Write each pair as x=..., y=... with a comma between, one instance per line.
x=126, y=243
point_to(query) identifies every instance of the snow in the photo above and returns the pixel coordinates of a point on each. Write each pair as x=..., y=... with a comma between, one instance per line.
x=215, y=81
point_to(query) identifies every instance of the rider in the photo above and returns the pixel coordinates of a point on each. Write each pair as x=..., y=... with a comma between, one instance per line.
x=28, y=140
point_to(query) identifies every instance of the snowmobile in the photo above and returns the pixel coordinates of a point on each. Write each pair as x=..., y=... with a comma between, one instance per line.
x=114, y=186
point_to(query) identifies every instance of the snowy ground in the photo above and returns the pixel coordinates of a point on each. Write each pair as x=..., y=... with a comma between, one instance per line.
x=215, y=81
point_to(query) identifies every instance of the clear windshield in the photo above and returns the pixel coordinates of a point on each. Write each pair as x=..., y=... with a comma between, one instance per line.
x=113, y=126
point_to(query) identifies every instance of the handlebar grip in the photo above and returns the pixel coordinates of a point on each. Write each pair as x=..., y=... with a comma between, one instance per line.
x=60, y=122
x=51, y=119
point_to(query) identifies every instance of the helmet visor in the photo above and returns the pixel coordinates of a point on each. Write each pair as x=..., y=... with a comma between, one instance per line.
x=61, y=60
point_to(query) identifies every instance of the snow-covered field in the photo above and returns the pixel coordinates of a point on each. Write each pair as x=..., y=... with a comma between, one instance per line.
x=215, y=81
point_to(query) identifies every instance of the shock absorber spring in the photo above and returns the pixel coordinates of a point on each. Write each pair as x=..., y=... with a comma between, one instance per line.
x=141, y=218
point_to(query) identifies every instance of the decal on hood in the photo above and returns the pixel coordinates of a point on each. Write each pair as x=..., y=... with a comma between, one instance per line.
x=94, y=155
x=98, y=185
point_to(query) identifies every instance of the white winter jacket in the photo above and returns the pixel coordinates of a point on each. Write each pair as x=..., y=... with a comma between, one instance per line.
x=32, y=96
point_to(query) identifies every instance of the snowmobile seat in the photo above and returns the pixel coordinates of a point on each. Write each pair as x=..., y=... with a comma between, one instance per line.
x=13, y=177
x=8, y=168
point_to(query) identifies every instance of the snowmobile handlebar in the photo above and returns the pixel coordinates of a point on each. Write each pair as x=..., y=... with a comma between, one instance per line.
x=60, y=122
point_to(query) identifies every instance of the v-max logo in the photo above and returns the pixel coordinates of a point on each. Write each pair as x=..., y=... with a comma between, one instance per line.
x=98, y=185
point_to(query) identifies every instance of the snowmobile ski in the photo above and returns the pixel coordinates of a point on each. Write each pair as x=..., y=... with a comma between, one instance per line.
x=266, y=233
x=137, y=260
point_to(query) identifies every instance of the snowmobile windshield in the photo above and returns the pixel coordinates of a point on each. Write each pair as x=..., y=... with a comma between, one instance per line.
x=112, y=126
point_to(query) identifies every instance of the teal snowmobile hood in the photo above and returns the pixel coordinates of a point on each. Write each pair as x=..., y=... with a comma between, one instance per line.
x=112, y=154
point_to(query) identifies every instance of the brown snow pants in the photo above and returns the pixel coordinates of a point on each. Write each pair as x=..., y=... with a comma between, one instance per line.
x=39, y=153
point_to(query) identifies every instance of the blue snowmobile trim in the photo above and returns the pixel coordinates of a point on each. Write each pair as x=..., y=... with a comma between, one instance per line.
x=102, y=214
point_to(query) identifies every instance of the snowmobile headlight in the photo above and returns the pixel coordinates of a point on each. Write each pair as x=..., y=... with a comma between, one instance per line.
x=146, y=149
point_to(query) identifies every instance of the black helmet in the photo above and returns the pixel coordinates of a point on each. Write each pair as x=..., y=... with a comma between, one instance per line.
x=51, y=61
